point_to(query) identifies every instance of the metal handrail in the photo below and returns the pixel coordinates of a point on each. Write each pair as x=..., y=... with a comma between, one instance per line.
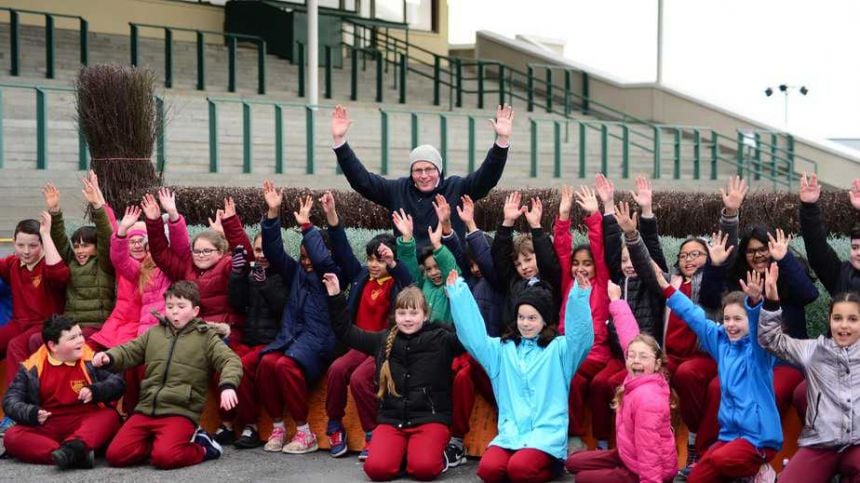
x=15, y=44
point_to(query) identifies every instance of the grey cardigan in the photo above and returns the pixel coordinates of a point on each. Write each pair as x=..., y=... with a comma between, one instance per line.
x=833, y=383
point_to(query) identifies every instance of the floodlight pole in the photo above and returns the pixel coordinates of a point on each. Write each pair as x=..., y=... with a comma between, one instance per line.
x=659, y=42
x=313, y=52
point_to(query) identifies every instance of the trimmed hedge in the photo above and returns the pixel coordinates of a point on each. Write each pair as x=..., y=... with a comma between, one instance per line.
x=679, y=213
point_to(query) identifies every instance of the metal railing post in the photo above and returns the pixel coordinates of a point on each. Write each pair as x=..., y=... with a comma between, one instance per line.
x=773, y=147
x=84, y=41
x=160, y=140
x=604, y=148
x=548, y=89
x=715, y=154
x=383, y=119
x=83, y=151
x=213, y=137
x=279, y=139
x=168, y=58
x=443, y=141
x=533, y=157
x=49, y=46
x=41, y=130
x=757, y=157
x=353, y=75
x=530, y=90
x=300, y=47
x=413, y=123
x=247, y=140
x=471, y=166
x=566, y=93
x=502, y=84
x=14, y=45
x=480, y=85
x=697, y=154
x=133, y=34
x=625, y=151
x=556, y=153
x=201, y=61
x=402, y=99
x=261, y=67
x=380, y=61
x=658, y=147
x=310, y=138
x=231, y=63
x=327, y=70
x=739, y=158
x=459, y=70
x=583, y=136
x=676, y=168
x=437, y=78
x=585, y=91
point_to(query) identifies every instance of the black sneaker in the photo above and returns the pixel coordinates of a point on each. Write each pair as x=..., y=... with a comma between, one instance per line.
x=72, y=454
x=455, y=455
x=249, y=439
x=213, y=449
x=225, y=435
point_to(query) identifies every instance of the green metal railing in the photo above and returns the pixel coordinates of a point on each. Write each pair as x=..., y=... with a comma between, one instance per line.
x=231, y=40
x=15, y=40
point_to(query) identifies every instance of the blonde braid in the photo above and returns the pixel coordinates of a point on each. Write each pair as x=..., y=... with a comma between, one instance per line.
x=386, y=381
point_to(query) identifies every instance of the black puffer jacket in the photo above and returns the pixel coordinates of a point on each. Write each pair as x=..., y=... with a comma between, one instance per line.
x=261, y=302
x=420, y=366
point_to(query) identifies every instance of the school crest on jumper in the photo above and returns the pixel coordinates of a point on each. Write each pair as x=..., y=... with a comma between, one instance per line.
x=77, y=385
x=37, y=280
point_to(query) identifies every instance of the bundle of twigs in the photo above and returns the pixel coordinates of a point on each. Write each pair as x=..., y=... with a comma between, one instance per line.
x=116, y=112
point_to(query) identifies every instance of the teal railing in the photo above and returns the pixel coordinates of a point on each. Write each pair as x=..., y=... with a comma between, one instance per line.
x=15, y=38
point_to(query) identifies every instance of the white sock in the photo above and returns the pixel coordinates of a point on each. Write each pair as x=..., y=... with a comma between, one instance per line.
x=305, y=428
x=691, y=439
x=247, y=431
x=278, y=424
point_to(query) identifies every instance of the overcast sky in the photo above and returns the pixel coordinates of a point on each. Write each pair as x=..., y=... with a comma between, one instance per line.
x=723, y=51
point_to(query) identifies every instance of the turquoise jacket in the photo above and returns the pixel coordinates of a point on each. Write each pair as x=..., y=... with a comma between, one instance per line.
x=531, y=384
x=747, y=402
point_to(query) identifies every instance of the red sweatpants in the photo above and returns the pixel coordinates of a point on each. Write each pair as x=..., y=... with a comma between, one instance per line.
x=285, y=385
x=423, y=447
x=248, y=409
x=15, y=344
x=469, y=376
x=603, y=387
x=166, y=440
x=785, y=380
x=133, y=378
x=358, y=371
x=690, y=378
x=579, y=393
x=525, y=465
x=34, y=444
x=730, y=461
x=599, y=466
x=811, y=465
x=799, y=399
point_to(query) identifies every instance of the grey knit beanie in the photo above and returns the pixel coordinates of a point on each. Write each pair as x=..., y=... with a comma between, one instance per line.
x=428, y=153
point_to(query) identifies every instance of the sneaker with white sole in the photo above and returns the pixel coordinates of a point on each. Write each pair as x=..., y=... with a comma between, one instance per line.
x=365, y=450
x=455, y=454
x=213, y=449
x=303, y=442
x=336, y=439
x=276, y=441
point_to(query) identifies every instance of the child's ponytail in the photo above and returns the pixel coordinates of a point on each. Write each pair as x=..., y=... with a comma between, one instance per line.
x=386, y=382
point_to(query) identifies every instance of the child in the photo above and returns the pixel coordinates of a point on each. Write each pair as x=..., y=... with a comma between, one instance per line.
x=829, y=445
x=435, y=260
x=750, y=429
x=644, y=437
x=58, y=399
x=305, y=344
x=180, y=355
x=372, y=291
x=414, y=359
x=37, y=276
x=530, y=367
x=91, y=291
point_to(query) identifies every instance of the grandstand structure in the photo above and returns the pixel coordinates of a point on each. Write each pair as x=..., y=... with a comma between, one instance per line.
x=235, y=97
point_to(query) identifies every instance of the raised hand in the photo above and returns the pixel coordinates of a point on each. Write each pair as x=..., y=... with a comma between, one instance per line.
x=771, y=277
x=614, y=291
x=503, y=124
x=435, y=235
x=810, y=190
x=854, y=194
x=340, y=123
x=513, y=209
x=100, y=359
x=403, y=223
x=132, y=214
x=92, y=192
x=229, y=207
x=303, y=216
x=386, y=255
x=466, y=212
x=229, y=399
x=150, y=207
x=85, y=395
x=167, y=199
x=329, y=208
x=587, y=200
x=734, y=194
x=643, y=195
x=565, y=202
x=658, y=274
x=778, y=246
x=215, y=223
x=605, y=191
x=624, y=218
x=52, y=198
x=753, y=286
x=582, y=281
x=443, y=213
x=45, y=224
x=332, y=284
x=452, y=278
x=717, y=248
x=274, y=199
x=534, y=213
x=239, y=260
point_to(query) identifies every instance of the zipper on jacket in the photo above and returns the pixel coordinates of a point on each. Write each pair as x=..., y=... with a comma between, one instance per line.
x=166, y=370
x=429, y=399
x=817, y=402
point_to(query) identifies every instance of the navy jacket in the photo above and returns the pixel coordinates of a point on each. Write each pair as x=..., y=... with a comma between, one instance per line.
x=394, y=194
x=485, y=289
x=305, y=333
x=836, y=276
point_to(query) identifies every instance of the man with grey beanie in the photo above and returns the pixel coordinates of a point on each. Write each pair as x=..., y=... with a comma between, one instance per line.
x=415, y=193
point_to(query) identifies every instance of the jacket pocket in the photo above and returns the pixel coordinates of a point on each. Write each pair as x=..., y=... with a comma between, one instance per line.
x=815, y=414
x=177, y=396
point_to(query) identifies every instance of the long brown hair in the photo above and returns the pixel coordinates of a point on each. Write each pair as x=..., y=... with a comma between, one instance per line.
x=408, y=298
x=660, y=356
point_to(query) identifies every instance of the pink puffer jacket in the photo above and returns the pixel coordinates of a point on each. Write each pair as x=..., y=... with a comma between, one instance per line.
x=643, y=426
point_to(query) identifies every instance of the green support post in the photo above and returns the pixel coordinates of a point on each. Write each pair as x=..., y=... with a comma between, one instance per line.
x=84, y=41
x=247, y=138
x=625, y=151
x=471, y=167
x=443, y=141
x=773, y=147
x=383, y=119
x=261, y=67
x=231, y=63
x=533, y=165
x=556, y=153
x=83, y=151
x=739, y=150
x=582, y=151
x=658, y=147
x=309, y=139
x=548, y=89
x=437, y=79
x=604, y=148
x=160, y=141
x=757, y=157
x=676, y=168
x=566, y=93
x=213, y=136
x=790, y=173
x=530, y=89
x=501, y=84
x=279, y=139
x=715, y=154
x=41, y=130
x=14, y=44
x=379, y=65
x=168, y=58
x=327, y=67
x=300, y=47
x=353, y=75
x=402, y=99
x=480, y=85
x=459, y=70
x=201, y=62
x=49, y=46
x=133, y=40
x=585, y=93
x=413, y=122
x=697, y=154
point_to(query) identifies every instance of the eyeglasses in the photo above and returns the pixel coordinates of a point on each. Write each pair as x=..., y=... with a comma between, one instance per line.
x=423, y=171
x=762, y=251
x=204, y=252
x=138, y=241
x=691, y=255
